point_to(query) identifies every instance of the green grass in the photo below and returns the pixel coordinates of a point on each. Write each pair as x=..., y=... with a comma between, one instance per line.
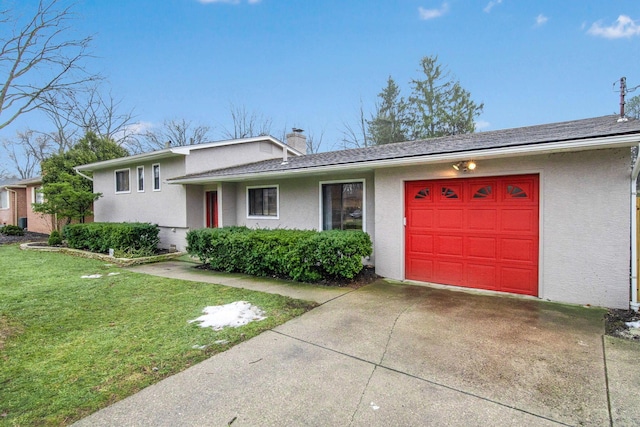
x=70, y=346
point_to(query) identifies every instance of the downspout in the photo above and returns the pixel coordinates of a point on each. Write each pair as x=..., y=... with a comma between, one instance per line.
x=83, y=175
x=633, y=304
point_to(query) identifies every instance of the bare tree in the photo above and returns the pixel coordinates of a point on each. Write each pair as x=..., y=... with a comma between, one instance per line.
x=37, y=60
x=4, y=173
x=176, y=132
x=76, y=112
x=247, y=124
x=314, y=141
x=355, y=137
x=73, y=114
x=26, y=152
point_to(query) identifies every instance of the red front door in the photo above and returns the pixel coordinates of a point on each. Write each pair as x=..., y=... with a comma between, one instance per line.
x=475, y=232
x=211, y=198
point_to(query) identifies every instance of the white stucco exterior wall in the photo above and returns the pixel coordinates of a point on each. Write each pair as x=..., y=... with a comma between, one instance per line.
x=218, y=157
x=584, y=221
x=299, y=204
x=166, y=207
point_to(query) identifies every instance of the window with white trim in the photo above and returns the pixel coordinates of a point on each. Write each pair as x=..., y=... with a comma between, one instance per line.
x=140, y=172
x=343, y=205
x=36, y=195
x=262, y=202
x=122, y=181
x=4, y=199
x=156, y=177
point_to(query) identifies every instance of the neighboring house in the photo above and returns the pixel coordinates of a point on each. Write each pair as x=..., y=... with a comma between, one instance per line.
x=16, y=201
x=546, y=212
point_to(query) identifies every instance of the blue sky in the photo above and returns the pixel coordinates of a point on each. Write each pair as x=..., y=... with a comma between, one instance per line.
x=309, y=63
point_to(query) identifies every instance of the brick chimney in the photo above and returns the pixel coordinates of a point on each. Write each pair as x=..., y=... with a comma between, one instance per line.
x=297, y=140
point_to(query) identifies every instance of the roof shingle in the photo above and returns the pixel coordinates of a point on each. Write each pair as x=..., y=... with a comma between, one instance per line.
x=606, y=126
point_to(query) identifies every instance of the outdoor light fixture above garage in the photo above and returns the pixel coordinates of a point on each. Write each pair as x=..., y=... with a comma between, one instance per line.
x=465, y=166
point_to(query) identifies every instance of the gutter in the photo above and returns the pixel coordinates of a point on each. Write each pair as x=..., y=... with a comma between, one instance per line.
x=82, y=175
x=420, y=159
x=634, y=304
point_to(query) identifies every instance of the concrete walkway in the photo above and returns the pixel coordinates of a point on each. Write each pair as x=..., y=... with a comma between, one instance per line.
x=186, y=271
x=394, y=354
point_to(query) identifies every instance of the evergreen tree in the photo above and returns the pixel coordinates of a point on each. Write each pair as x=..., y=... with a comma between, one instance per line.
x=66, y=194
x=391, y=122
x=440, y=106
x=633, y=107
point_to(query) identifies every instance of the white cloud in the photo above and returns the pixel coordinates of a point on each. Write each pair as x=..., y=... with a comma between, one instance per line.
x=481, y=125
x=541, y=20
x=491, y=5
x=426, y=14
x=623, y=27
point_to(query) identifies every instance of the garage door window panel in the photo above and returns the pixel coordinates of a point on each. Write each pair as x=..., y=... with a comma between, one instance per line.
x=451, y=193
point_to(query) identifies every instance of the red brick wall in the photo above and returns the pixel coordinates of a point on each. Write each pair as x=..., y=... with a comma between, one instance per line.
x=16, y=201
x=36, y=222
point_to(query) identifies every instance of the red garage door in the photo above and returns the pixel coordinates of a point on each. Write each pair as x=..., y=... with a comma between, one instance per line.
x=476, y=232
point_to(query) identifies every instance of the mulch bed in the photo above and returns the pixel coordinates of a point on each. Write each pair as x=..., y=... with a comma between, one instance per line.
x=28, y=237
x=615, y=324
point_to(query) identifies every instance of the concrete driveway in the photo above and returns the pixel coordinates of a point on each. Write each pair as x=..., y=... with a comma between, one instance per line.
x=395, y=354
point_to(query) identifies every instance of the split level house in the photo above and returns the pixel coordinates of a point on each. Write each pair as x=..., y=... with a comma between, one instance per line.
x=546, y=211
x=16, y=200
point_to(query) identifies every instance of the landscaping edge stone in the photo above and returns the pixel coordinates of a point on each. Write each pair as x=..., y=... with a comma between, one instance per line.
x=122, y=262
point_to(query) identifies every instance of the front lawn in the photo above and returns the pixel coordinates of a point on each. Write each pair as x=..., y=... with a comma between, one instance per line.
x=71, y=345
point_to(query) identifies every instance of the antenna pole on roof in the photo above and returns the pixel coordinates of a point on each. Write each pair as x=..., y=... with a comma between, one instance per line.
x=623, y=90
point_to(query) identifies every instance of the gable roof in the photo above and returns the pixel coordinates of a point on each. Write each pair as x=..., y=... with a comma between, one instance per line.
x=600, y=132
x=181, y=151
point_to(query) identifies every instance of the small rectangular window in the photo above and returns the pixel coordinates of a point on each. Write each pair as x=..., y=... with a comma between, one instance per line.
x=4, y=199
x=37, y=196
x=156, y=177
x=140, y=179
x=343, y=206
x=262, y=202
x=122, y=181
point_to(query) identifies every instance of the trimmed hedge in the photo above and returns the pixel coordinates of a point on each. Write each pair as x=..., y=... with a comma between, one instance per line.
x=301, y=255
x=55, y=239
x=131, y=238
x=12, y=230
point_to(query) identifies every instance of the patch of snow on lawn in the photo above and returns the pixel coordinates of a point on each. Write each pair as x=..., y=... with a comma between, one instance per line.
x=91, y=276
x=235, y=314
x=633, y=324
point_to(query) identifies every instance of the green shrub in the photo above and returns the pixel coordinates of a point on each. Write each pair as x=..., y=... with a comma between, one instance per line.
x=301, y=255
x=55, y=239
x=12, y=230
x=139, y=239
